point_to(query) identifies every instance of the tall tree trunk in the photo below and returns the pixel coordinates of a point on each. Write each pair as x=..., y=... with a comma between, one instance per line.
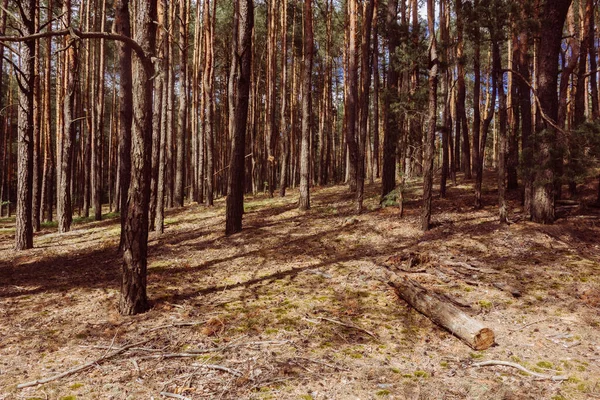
x=390, y=136
x=485, y=127
x=64, y=210
x=445, y=84
x=283, y=124
x=133, y=298
x=37, y=136
x=431, y=124
x=123, y=27
x=208, y=82
x=48, y=168
x=24, y=228
x=553, y=19
x=502, y=130
x=304, y=201
x=162, y=164
x=239, y=91
x=98, y=128
x=476, y=95
x=351, y=106
x=462, y=128
x=270, y=104
x=157, y=119
x=183, y=104
x=366, y=73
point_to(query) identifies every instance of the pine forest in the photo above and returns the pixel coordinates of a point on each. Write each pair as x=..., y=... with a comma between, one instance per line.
x=299, y=199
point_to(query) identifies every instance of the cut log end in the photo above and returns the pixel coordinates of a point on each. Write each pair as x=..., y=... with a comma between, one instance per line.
x=484, y=339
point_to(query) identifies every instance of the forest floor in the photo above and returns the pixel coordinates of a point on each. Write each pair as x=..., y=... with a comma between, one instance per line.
x=297, y=306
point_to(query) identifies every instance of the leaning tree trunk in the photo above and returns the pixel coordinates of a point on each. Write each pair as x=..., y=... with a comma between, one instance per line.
x=135, y=246
x=432, y=114
x=24, y=228
x=304, y=202
x=238, y=103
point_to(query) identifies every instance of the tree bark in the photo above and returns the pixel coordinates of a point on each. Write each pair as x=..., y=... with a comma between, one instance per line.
x=432, y=116
x=123, y=27
x=351, y=90
x=240, y=82
x=366, y=73
x=304, y=201
x=183, y=105
x=133, y=298
x=24, y=227
x=64, y=210
x=553, y=19
x=390, y=133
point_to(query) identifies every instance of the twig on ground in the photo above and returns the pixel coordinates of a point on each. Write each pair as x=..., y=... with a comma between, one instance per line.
x=323, y=363
x=529, y=324
x=175, y=325
x=233, y=372
x=521, y=368
x=352, y=326
x=81, y=367
x=175, y=396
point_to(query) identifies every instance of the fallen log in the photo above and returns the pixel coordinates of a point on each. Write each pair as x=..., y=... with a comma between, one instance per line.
x=448, y=316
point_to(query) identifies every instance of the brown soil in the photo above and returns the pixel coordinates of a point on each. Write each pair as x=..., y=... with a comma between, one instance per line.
x=270, y=303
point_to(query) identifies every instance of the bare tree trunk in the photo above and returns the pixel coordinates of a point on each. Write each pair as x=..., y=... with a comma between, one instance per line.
x=122, y=26
x=24, y=228
x=490, y=104
x=98, y=128
x=351, y=106
x=284, y=125
x=48, y=168
x=64, y=208
x=476, y=95
x=445, y=74
x=208, y=83
x=157, y=120
x=432, y=116
x=366, y=73
x=390, y=137
x=37, y=137
x=502, y=130
x=133, y=298
x=183, y=105
x=240, y=82
x=553, y=18
x=304, y=201
x=461, y=116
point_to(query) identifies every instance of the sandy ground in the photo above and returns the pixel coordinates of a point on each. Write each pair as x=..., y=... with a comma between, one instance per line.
x=297, y=306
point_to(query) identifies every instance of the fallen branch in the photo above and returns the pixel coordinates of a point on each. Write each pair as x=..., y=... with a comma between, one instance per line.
x=175, y=396
x=440, y=311
x=521, y=368
x=81, y=367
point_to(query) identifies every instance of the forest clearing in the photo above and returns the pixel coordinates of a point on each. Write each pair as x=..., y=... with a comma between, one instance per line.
x=297, y=305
